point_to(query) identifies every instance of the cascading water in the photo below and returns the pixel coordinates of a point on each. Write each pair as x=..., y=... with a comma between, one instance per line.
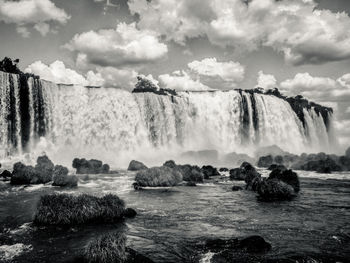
x=115, y=125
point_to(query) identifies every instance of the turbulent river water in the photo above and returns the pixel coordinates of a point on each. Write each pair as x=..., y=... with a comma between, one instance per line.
x=171, y=221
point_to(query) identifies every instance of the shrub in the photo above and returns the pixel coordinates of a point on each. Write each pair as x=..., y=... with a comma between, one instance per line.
x=64, y=209
x=158, y=176
x=106, y=248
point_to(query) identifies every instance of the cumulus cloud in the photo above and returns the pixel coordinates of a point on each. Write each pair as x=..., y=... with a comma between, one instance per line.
x=58, y=73
x=266, y=81
x=118, y=78
x=125, y=45
x=304, y=34
x=32, y=13
x=227, y=71
x=180, y=80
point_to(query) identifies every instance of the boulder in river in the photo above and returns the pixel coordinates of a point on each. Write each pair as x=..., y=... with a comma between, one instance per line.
x=223, y=169
x=44, y=167
x=61, y=177
x=236, y=188
x=265, y=161
x=277, y=166
x=274, y=189
x=286, y=176
x=158, y=176
x=65, y=209
x=190, y=173
x=136, y=166
x=6, y=174
x=209, y=171
x=92, y=166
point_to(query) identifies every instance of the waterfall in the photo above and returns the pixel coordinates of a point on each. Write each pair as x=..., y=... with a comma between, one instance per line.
x=115, y=125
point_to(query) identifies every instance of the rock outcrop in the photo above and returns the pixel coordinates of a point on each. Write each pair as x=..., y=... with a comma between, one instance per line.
x=190, y=173
x=61, y=177
x=92, y=166
x=136, y=166
x=158, y=176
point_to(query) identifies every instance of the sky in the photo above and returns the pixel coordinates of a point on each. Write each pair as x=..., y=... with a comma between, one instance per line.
x=299, y=46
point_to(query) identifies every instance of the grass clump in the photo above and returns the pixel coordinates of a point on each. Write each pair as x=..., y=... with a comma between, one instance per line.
x=64, y=209
x=107, y=248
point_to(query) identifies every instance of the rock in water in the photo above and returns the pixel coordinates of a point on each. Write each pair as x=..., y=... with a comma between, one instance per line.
x=61, y=178
x=190, y=173
x=255, y=244
x=265, y=161
x=209, y=171
x=6, y=174
x=107, y=248
x=274, y=189
x=277, y=166
x=130, y=213
x=236, y=188
x=223, y=169
x=158, y=176
x=23, y=174
x=248, y=173
x=287, y=176
x=44, y=167
x=136, y=166
x=92, y=166
x=347, y=152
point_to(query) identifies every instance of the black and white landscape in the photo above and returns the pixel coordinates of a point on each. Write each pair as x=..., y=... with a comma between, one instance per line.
x=174, y=131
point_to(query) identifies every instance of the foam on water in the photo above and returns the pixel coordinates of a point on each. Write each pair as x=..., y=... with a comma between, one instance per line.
x=9, y=252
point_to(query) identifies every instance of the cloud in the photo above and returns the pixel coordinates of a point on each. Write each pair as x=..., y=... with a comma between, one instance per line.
x=32, y=13
x=266, y=81
x=58, y=73
x=115, y=47
x=302, y=33
x=118, y=78
x=227, y=71
x=180, y=80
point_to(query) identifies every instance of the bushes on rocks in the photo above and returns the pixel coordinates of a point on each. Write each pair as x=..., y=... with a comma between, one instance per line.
x=265, y=161
x=190, y=173
x=136, y=166
x=209, y=171
x=274, y=189
x=61, y=178
x=286, y=176
x=44, y=167
x=92, y=166
x=158, y=176
x=6, y=174
x=64, y=209
x=106, y=248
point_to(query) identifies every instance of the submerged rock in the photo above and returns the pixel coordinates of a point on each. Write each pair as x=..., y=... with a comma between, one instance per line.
x=158, y=176
x=61, y=177
x=274, y=189
x=209, y=171
x=92, y=166
x=236, y=188
x=136, y=166
x=255, y=244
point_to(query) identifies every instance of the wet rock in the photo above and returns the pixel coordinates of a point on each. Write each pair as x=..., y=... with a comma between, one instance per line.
x=24, y=174
x=344, y=161
x=92, y=166
x=265, y=161
x=61, y=177
x=274, y=189
x=248, y=173
x=237, y=174
x=158, y=176
x=136, y=166
x=65, y=209
x=277, y=166
x=190, y=173
x=6, y=174
x=223, y=169
x=236, y=188
x=278, y=159
x=209, y=171
x=347, y=152
x=191, y=184
x=129, y=212
x=286, y=176
x=255, y=244
x=170, y=164
x=44, y=167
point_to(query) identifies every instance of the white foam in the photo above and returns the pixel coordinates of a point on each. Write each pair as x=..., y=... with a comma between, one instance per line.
x=8, y=252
